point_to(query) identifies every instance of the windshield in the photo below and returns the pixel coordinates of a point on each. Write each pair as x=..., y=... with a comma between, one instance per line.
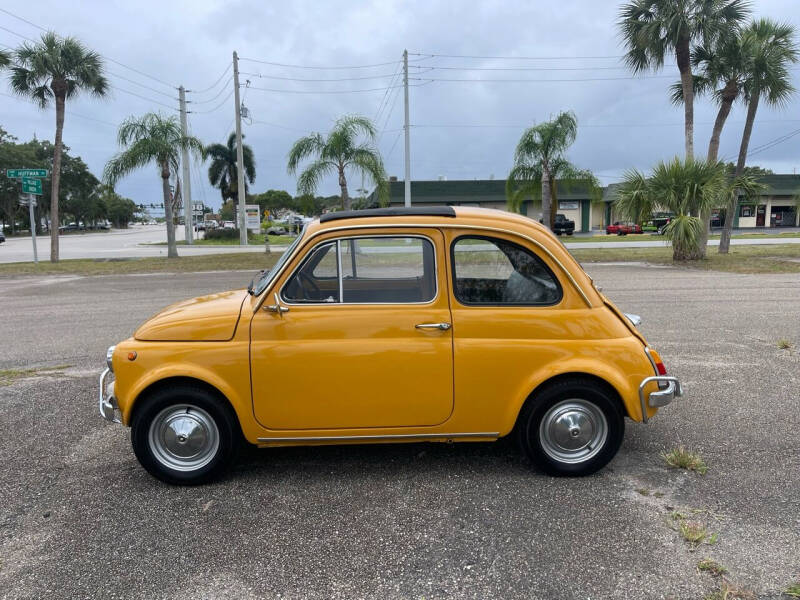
x=266, y=276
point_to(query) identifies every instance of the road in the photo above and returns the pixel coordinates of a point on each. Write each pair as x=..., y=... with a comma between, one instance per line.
x=141, y=241
x=79, y=517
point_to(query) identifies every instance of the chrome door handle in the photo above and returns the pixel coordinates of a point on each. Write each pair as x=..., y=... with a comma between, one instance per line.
x=442, y=326
x=277, y=308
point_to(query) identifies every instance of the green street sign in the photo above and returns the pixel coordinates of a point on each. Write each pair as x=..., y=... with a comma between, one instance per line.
x=17, y=173
x=31, y=186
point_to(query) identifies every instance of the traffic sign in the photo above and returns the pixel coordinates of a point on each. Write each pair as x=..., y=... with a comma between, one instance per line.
x=17, y=173
x=31, y=186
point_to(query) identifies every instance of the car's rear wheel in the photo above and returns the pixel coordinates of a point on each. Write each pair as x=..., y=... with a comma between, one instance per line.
x=574, y=427
x=185, y=435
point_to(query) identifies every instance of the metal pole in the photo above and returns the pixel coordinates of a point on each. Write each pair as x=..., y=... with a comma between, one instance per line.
x=33, y=227
x=186, y=188
x=408, y=140
x=239, y=153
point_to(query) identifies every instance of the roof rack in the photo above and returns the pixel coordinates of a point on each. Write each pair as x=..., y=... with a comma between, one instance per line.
x=418, y=211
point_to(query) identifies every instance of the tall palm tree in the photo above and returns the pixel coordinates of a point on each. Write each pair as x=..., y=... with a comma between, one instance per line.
x=54, y=70
x=686, y=188
x=5, y=59
x=770, y=48
x=223, y=173
x=539, y=160
x=651, y=29
x=336, y=153
x=157, y=139
x=722, y=67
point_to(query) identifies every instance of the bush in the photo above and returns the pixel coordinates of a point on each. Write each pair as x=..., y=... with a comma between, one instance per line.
x=221, y=233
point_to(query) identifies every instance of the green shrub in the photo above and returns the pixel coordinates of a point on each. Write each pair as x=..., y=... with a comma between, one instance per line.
x=221, y=233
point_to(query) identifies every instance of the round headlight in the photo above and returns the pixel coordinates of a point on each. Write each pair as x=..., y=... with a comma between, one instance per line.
x=109, y=354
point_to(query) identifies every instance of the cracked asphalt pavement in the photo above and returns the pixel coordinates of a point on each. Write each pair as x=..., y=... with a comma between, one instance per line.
x=80, y=519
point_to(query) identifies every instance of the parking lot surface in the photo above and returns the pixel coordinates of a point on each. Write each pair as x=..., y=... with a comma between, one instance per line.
x=80, y=519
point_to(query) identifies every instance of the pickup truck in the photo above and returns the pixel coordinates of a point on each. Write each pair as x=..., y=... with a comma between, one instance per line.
x=563, y=225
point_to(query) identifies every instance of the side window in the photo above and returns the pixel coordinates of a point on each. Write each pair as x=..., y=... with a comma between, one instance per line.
x=492, y=271
x=377, y=270
x=388, y=270
x=316, y=279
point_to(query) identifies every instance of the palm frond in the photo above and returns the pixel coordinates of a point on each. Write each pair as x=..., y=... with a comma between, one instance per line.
x=303, y=148
x=313, y=175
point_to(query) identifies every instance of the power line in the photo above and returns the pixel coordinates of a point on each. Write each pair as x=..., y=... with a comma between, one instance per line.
x=152, y=89
x=430, y=55
x=116, y=62
x=212, y=86
x=384, y=100
x=219, y=93
x=379, y=89
x=479, y=80
x=317, y=67
x=119, y=89
x=254, y=121
x=216, y=108
x=392, y=75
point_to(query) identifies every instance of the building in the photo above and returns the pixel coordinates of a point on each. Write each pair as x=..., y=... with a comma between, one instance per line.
x=777, y=206
x=574, y=203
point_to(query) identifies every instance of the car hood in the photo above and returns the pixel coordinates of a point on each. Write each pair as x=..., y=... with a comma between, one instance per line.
x=211, y=318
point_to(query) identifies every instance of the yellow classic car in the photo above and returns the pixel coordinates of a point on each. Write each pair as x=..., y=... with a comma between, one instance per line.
x=391, y=325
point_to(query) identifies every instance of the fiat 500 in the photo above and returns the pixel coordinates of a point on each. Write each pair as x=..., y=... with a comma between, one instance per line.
x=391, y=325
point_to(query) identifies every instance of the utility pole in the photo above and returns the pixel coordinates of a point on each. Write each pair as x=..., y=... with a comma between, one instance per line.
x=408, y=139
x=186, y=188
x=239, y=153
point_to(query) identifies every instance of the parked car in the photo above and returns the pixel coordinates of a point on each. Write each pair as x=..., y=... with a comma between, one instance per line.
x=2, y=237
x=663, y=227
x=563, y=225
x=229, y=225
x=440, y=324
x=277, y=230
x=619, y=228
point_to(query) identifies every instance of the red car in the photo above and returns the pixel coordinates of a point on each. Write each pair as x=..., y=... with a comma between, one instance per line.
x=623, y=228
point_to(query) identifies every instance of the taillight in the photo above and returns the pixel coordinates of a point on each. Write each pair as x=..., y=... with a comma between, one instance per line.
x=658, y=364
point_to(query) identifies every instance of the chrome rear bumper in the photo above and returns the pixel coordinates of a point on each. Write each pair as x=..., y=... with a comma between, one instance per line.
x=109, y=409
x=662, y=397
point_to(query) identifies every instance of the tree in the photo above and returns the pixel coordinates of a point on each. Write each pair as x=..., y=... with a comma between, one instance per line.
x=223, y=173
x=5, y=59
x=336, y=154
x=157, y=139
x=753, y=170
x=685, y=188
x=539, y=164
x=274, y=201
x=651, y=29
x=54, y=70
x=120, y=211
x=770, y=48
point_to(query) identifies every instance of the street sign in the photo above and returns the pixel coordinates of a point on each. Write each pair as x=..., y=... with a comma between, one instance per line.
x=31, y=186
x=26, y=201
x=17, y=173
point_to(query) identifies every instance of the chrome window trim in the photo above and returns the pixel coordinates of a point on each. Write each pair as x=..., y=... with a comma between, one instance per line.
x=401, y=436
x=341, y=275
x=432, y=226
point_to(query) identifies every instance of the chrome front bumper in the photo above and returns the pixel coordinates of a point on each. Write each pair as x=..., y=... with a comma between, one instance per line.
x=109, y=409
x=662, y=397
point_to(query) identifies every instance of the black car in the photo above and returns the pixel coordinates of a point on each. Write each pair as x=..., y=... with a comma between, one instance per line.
x=2, y=237
x=563, y=225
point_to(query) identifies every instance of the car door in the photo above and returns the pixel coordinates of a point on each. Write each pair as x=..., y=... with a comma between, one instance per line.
x=366, y=341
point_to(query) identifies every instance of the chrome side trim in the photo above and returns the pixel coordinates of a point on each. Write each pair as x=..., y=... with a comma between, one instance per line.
x=663, y=397
x=432, y=226
x=635, y=319
x=366, y=438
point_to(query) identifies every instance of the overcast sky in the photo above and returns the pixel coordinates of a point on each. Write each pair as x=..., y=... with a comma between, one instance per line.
x=461, y=129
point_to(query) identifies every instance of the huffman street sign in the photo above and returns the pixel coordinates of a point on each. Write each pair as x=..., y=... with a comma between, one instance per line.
x=17, y=173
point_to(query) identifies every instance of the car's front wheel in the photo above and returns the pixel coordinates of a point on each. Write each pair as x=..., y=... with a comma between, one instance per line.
x=185, y=435
x=571, y=428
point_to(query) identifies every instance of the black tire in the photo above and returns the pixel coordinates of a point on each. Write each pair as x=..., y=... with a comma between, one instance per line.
x=581, y=402
x=210, y=423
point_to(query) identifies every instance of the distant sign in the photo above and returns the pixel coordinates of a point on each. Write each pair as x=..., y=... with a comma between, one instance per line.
x=31, y=185
x=252, y=215
x=17, y=173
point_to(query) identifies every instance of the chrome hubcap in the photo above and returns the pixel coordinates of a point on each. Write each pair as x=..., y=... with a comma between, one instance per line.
x=184, y=437
x=573, y=431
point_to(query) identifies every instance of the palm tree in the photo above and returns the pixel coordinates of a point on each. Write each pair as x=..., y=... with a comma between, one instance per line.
x=539, y=162
x=335, y=154
x=157, y=139
x=54, y=70
x=722, y=69
x=5, y=59
x=686, y=188
x=653, y=28
x=770, y=48
x=223, y=173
